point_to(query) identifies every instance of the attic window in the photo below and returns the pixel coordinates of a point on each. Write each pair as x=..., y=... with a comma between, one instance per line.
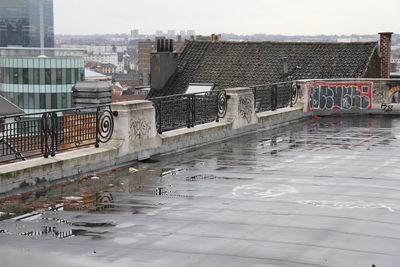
x=194, y=88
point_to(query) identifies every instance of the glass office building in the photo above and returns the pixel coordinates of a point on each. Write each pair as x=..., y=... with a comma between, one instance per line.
x=37, y=84
x=20, y=23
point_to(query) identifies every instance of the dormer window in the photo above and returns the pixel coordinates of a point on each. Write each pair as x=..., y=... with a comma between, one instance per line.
x=194, y=88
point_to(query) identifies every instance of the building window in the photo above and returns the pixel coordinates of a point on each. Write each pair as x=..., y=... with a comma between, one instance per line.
x=41, y=76
x=69, y=79
x=15, y=75
x=59, y=76
x=77, y=75
x=54, y=101
x=36, y=76
x=47, y=76
x=42, y=101
x=25, y=76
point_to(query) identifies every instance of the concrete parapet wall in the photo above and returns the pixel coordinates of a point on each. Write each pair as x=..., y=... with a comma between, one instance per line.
x=70, y=164
x=135, y=138
x=135, y=135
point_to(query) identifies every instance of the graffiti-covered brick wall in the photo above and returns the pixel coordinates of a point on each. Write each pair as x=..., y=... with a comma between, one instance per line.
x=349, y=95
x=339, y=95
x=386, y=91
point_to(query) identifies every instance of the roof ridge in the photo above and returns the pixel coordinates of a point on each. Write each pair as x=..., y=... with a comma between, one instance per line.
x=274, y=42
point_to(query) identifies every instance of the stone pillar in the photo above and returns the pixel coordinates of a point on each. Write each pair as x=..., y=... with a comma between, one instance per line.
x=240, y=110
x=91, y=92
x=385, y=50
x=135, y=127
x=303, y=94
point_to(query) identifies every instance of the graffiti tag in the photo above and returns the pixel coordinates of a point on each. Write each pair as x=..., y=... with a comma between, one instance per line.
x=245, y=108
x=339, y=96
x=387, y=108
x=139, y=129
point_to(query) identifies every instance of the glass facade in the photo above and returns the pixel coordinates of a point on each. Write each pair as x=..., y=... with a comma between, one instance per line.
x=20, y=23
x=39, y=84
x=41, y=76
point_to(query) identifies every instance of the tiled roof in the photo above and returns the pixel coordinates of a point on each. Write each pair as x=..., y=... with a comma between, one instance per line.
x=237, y=64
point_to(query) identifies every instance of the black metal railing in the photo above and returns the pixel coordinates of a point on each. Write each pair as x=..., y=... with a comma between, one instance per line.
x=187, y=110
x=274, y=96
x=46, y=133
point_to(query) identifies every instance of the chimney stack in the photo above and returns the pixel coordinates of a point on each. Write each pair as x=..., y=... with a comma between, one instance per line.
x=163, y=63
x=385, y=46
x=215, y=38
x=165, y=45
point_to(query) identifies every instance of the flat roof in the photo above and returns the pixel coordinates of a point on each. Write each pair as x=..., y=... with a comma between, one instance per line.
x=324, y=192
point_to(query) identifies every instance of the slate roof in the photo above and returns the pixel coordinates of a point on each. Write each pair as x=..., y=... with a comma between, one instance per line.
x=237, y=64
x=8, y=108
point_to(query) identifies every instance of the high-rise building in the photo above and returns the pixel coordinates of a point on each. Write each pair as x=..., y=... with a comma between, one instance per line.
x=171, y=33
x=20, y=23
x=135, y=33
x=182, y=33
x=191, y=33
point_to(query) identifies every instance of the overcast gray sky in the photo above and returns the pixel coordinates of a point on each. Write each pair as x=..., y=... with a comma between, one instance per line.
x=288, y=17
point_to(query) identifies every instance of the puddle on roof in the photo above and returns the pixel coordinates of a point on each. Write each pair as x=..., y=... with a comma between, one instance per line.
x=86, y=193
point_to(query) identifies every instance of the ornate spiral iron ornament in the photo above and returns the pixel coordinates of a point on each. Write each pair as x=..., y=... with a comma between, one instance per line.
x=222, y=104
x=294, y=96
x=105, y=125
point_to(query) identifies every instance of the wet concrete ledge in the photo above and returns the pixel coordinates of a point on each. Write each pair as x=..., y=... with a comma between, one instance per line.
x=69, y=164
x=76, y=164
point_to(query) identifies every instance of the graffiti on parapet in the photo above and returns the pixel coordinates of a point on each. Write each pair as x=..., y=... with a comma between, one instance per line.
x=339, y=95
x=387, y=108
x=245, y=108
x=139, y=129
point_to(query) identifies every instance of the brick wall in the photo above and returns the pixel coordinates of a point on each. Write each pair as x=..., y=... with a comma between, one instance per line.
x=145, y=49
x=385, y=49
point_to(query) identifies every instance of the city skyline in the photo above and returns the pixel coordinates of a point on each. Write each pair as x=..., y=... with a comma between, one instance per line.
x=287, y=17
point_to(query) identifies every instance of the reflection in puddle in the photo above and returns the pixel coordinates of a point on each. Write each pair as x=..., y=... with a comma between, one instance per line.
x=79, y=194
x=133, y=238
x=125, y=225
x=346, y=205
x=200, y=177
x=256, y=190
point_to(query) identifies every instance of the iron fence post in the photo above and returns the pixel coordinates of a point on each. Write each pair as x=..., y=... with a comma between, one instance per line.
x=44, y=134
x=97, y=144
x=160, y=131
x=217, y=105
x=53, y=132
x=274, y=97
x=188, y=111
x=193, y=117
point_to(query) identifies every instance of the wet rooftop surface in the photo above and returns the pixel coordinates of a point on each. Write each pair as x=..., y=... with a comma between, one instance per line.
x=321, y=193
